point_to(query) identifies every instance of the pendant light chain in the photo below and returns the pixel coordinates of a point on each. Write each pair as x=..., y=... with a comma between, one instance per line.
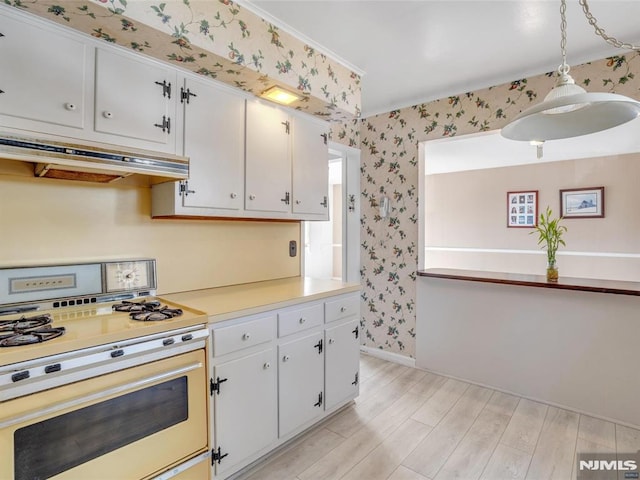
x=600, y=31
x=564, y=68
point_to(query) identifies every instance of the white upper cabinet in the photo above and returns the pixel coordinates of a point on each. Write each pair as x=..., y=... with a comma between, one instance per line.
x=213, y=141
x=43, y=77
x=135, y=98
x=310, y=167
x=267, y=159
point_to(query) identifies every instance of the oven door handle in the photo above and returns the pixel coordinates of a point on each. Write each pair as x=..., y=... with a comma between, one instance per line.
x=25, y=417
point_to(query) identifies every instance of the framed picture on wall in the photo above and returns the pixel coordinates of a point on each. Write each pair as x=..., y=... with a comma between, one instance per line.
x=582, y=202
x=522, y=209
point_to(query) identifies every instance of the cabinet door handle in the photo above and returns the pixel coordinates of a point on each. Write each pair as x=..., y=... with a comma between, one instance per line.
x=70, y=106
x=233, y=195
x=267, y=365
x=287, y=126
x=107, y=114
x=286, y=199
x=319, y=402
x=286, y=358
x=302, y=320
x=252, y=197
x=318, y=346
x=343, y=309
x=324, y=202
x=331, y=341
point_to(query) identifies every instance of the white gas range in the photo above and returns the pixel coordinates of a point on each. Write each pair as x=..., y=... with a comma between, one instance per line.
x=96, y=371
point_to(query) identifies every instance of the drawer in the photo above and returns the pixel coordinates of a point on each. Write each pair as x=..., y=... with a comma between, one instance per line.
x=342, y=307
x=300, y=319
x=236, y=337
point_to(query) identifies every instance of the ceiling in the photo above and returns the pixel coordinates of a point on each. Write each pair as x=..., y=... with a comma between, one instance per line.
x=410, y=52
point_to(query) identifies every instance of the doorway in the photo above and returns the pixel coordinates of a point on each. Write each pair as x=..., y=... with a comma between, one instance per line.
x=331, y=248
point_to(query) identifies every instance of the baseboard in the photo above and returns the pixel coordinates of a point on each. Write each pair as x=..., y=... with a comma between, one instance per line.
x=389, y=356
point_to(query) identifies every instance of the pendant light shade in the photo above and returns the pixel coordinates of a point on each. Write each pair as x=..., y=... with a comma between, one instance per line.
x=568, y=110
x=571, y=116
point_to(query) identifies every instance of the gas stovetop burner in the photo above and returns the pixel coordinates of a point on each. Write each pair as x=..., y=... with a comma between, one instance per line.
x=25, y=331
x=147, y=311
x=142, y=306
x=162, y=313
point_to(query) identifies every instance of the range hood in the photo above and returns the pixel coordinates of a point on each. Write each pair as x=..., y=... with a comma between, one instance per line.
x=94, y=162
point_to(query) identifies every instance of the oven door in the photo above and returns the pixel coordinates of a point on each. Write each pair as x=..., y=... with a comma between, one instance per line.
x=130, y=424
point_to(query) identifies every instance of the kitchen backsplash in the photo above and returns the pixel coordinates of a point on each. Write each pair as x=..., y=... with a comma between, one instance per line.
x=50, y=221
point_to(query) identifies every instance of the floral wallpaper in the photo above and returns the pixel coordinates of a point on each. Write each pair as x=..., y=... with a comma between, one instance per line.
x=389, y=165
x=215, y=38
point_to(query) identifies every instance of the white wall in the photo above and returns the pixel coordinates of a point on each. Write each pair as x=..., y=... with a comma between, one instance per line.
x=465, y=219
x=573, y=349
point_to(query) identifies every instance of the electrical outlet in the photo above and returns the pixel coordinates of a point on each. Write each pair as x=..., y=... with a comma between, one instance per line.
x=293, y=248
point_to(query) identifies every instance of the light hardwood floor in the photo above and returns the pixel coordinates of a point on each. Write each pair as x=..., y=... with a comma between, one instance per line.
x=408, y=424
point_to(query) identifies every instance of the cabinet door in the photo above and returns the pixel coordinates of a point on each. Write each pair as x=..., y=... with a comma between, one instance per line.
x=300, y=371
x=245, y=408
x=214, y=143
x=268, y=159
x=135, y=99
x=42, y=77
x=310, y=187
x=342, y=363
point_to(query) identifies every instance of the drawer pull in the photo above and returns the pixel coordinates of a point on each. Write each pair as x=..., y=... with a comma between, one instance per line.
x=246, y=336
x=343, y=309
x=302, y=320
x=331, y=341
x=286, y=358
x=267, y=365
x=70, y=106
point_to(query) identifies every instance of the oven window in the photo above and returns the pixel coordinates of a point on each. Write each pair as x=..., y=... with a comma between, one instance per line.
x=53, y=446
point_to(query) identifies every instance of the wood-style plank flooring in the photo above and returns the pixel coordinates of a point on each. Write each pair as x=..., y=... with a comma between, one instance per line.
x=408, y=424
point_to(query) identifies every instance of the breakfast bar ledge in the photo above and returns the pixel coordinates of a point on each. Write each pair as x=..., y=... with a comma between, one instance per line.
x=571, y=344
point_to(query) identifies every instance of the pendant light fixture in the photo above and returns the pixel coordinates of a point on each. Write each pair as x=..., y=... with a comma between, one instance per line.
x=568, y=110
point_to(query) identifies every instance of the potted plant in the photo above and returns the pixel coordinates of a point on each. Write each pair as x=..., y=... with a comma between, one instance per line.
x=550, y=237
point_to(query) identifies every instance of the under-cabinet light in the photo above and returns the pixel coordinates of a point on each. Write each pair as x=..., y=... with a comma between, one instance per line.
x=280, y=95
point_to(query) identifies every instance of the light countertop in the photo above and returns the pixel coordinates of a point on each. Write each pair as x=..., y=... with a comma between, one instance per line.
x=225, y=303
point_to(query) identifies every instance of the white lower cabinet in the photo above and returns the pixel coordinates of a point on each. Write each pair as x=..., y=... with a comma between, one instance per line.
x=268, y=388
x=245, y=419
x=300, y=382
x=342, y=363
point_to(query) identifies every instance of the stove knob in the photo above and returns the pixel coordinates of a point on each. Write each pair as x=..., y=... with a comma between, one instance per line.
x=16, y=377
x=56, y=367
